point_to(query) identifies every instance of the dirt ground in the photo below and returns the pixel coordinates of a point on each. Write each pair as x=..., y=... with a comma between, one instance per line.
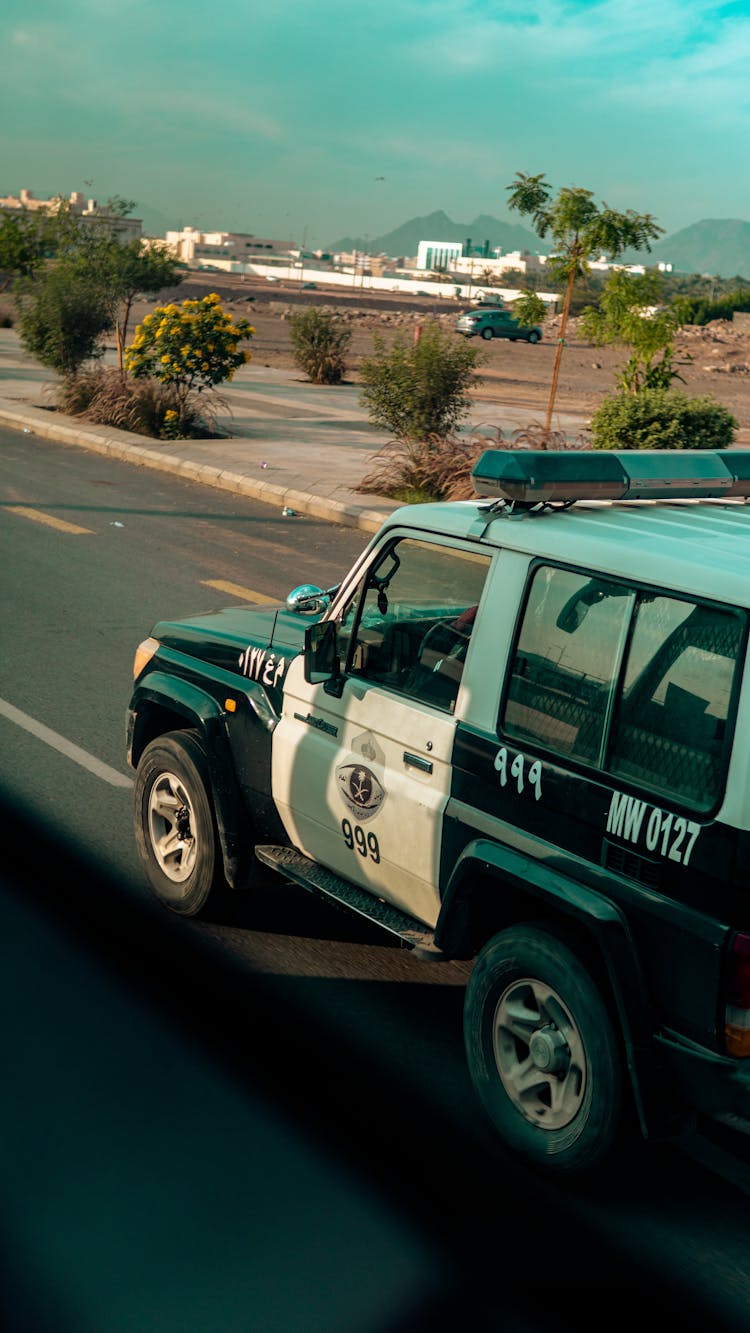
x=714, y=359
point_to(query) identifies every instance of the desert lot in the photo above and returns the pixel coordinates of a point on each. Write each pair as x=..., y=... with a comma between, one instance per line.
x=713, y=360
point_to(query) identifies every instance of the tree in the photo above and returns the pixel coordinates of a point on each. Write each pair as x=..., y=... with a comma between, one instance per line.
x=125, y=271
x=26, y=240
x=62, y=318
x=119, y=207
x=319, y=345
x=529, y=308
x=193, y=347
x=418, y=388
x=90, y=257
x=579, y=229
x=631, y=312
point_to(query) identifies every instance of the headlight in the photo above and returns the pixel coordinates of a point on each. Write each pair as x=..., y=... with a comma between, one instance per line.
x=143, y=654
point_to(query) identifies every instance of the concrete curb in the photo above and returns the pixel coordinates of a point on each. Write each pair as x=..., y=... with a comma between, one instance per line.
x=139, y=450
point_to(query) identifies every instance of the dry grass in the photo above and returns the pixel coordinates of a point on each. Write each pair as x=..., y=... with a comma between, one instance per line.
x=142, y=406
x=439, y=467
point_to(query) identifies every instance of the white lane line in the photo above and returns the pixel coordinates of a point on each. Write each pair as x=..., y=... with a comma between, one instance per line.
x=64, y=746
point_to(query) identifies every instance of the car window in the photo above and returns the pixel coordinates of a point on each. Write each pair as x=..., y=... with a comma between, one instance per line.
x=671, y=723
x=566, y=663
x=635, y=682
x=409, y=623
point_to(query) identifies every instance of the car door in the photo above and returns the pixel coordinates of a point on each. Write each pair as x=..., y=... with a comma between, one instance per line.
x=361, y=769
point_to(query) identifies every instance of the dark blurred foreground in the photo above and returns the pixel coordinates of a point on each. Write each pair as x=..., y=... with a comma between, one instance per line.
x=183, y=1149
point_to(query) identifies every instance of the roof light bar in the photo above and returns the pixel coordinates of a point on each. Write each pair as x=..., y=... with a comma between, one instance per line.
x=532, y=476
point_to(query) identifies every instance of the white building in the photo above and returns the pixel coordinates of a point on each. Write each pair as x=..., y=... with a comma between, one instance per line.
x=197, y=247
x=515, y=261
x=438, y=254
x=604, y=265
x=448, y=256
x=126, y=229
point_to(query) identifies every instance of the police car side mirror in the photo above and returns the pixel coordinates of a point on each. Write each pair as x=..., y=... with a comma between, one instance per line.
x=321, y=658
x=308, y=599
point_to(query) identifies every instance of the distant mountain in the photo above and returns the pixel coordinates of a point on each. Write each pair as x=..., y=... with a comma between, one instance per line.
x=439, y=227
x=719, y=246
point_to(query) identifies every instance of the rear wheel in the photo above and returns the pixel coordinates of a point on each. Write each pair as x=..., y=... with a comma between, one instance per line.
x=487, y=333
x=542, y=1051
x=175, y=829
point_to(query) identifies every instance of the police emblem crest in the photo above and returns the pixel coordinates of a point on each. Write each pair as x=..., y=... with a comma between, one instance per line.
x=361, y=791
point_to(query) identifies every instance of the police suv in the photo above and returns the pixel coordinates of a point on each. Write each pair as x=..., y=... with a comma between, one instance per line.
x=518, y=733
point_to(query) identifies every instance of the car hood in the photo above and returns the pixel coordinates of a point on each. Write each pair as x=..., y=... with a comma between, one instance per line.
x=231, y=638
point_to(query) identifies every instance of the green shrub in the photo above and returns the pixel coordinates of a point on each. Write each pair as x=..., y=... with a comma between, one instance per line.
x=143, y=406
x=418, y=388
x=661, y=419
x=62, y=317
x=700, y=310
x=319, y=345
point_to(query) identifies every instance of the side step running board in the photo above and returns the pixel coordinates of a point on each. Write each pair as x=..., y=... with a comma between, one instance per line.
x=329, y=885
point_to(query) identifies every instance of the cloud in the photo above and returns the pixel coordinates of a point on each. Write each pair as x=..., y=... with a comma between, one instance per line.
x=710, y=81
x=436, y=95
x=605, y=43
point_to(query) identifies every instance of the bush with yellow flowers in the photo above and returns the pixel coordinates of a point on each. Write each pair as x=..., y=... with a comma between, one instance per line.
x=191, y=347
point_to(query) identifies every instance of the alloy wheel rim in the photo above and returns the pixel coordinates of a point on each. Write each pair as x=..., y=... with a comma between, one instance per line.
x=171, y=822
x=539, y=1054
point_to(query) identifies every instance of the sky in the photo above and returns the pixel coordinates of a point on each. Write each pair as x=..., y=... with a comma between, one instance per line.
x=312, y=120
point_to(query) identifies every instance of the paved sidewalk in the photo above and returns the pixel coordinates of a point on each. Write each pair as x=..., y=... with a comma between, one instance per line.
x=292, y=443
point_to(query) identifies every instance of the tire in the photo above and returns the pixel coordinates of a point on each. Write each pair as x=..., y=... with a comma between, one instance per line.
x=175, y=828
x=487, y=333
x=533, y=338
x=542, y=1052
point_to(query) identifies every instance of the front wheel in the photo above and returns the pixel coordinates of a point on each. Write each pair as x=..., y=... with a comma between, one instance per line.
x=533, y=337
x=486, y=334
x=542, y=1051
x=175, y=829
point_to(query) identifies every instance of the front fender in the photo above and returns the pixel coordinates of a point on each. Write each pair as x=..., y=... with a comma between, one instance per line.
x=162, y=703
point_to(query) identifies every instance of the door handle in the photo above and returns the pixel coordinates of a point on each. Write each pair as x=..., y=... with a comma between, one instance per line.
x=416, y=761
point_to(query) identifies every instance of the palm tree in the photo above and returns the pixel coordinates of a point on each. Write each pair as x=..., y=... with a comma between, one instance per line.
x=579, y=229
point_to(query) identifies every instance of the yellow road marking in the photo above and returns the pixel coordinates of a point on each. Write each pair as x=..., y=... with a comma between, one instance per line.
x=38, y=517
x=236, y=590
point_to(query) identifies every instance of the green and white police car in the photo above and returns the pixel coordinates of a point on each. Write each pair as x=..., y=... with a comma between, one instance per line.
x=517, y=734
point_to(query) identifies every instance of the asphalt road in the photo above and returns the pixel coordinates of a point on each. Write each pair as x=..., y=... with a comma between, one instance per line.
x=263, y=1121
